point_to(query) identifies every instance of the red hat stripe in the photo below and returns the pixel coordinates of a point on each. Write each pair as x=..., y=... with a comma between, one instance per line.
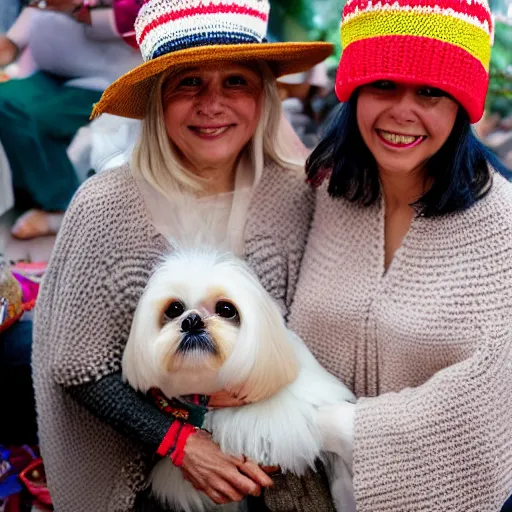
x=197, y=11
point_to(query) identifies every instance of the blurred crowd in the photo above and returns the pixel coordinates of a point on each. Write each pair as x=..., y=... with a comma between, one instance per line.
x=496, y=131
x=58, y=57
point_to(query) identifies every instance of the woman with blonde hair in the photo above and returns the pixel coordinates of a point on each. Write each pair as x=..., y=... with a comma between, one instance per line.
x=212, y=145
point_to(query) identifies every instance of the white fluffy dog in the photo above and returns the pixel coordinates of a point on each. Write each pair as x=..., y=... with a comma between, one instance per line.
x=204, y=324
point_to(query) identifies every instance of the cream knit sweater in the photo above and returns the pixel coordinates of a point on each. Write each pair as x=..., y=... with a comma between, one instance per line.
x=427, y=346
x=104, y=255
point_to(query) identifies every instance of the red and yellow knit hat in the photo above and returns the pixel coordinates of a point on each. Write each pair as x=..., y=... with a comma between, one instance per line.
x=441, y=43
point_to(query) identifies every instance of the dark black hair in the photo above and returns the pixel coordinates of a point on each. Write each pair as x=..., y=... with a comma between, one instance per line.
x=459, y=170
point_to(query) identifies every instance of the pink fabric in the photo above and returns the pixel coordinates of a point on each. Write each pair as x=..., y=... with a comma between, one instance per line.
x=29, y=288
x=125, y=12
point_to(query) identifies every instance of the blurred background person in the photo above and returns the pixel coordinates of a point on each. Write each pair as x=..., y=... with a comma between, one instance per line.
x=302, y=96
x=77, y=52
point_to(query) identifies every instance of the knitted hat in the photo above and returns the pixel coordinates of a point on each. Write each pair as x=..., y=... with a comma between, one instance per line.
x=441, y=43
x=192, y=32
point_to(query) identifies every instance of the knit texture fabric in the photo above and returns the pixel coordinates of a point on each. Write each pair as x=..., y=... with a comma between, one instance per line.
x=146, y=423
x=441, y=43
x=104, y=255
x=426, y=346
x=164, y=26
x=293, y=494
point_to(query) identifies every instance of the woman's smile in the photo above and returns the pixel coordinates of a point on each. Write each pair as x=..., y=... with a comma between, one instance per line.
x=211, y=132
x=404, y=125
x=399, y=140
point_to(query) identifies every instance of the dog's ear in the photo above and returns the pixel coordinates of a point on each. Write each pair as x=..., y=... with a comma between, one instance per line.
x=138, y=357
x=263, y=361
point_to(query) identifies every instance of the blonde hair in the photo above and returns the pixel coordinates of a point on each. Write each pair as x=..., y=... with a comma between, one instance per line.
x=155, y=159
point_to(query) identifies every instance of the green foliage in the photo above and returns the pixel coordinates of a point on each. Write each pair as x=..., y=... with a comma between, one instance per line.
x=499, y=97
x=301, y=11
x=327, y=21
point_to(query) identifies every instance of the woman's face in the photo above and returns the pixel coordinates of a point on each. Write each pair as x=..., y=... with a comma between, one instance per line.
x=212, y=112
x=404, y=125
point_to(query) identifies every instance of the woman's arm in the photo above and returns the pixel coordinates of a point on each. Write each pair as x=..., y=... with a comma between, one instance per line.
x=16, y=39
x=118, y=404
x=219, y=475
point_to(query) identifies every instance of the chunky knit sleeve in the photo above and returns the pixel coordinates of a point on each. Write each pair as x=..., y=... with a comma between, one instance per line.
x=77, y=298
x=449, y=438
x=426, y=347
x=120, y=406
x=86, y=306
x=102, y=260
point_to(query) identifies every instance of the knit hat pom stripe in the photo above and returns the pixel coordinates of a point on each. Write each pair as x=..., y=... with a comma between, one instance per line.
x=449, y=29
x=479, y=12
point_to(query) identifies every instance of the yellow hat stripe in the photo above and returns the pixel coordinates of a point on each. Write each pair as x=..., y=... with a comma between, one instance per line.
x=437, y=26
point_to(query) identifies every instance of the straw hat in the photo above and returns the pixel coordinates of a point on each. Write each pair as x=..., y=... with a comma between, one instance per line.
x=192, y=32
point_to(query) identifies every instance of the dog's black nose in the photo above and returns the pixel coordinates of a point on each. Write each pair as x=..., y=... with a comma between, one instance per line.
x=193, y=322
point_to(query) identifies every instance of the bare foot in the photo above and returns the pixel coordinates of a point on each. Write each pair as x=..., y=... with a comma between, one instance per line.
x=35, y=223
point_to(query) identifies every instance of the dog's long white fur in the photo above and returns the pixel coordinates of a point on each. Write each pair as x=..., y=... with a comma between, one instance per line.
x=277, y=429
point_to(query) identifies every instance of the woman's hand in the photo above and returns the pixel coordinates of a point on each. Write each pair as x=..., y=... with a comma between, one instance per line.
x=65, y=6
x=223, y=478
x=225, y=399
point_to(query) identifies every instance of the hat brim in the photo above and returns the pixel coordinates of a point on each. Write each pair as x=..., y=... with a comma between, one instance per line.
x=129, y=95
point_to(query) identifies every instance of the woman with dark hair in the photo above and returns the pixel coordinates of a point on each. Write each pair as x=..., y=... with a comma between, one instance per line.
x=211, y=140
x=405, y=288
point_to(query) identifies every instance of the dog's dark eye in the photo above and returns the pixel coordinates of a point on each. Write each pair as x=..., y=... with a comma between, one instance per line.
x=226, y=310
x=174, y=310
